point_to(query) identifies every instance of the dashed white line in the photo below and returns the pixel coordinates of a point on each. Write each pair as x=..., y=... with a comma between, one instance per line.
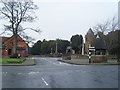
x=45, y=82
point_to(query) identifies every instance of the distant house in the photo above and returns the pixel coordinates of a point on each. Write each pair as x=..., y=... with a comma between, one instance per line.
x=7, y=46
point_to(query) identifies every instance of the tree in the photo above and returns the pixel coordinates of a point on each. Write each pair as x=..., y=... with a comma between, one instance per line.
x=45, y=47
x=36, y=49
x=107, y=26
x=62, y=45
x=76, y=43
x=113, y=43
x=16, y=12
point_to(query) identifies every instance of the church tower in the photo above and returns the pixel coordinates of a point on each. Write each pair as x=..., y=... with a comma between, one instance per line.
x=89, y=38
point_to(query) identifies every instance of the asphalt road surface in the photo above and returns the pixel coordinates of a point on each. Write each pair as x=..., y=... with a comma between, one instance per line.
x=50, y=73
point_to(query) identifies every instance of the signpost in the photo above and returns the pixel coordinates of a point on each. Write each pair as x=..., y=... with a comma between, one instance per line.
x=90, y=50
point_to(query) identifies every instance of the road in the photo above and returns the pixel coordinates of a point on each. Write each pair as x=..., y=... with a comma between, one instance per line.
x=50, y=73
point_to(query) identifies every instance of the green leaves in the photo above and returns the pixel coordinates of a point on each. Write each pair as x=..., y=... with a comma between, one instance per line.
x=76, y=43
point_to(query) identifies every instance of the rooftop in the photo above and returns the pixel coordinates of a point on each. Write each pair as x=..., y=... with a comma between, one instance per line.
x=99, y=43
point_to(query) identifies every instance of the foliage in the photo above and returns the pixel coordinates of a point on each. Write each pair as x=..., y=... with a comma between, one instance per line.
x=62, y=45
x=45, y=47
x=113, y=43
x=76, y=43
x=36, y=48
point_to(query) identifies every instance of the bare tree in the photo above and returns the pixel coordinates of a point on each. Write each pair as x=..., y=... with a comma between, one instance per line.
x=101, y=27
x=113, y=24
x=109, y=25
x=17, y=11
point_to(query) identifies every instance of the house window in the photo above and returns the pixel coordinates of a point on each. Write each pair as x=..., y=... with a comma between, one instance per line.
x=9, y=51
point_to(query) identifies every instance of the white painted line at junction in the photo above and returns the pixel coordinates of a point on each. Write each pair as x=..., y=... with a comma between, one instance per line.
x=45, y=82
x=63, y=63
x=60, y=62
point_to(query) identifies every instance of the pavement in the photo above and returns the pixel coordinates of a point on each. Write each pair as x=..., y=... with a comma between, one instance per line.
x=50, y=73
x=86, y=62
x=27, y=62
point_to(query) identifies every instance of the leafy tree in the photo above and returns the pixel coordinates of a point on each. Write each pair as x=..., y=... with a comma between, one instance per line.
x=62, y=45
x=16, y=12
x=45, y=47
x=76, y=43
x=113, y=43
x=51, y=45
x=36, y=49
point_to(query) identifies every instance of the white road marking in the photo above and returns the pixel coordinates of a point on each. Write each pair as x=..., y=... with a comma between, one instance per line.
x=63, y=63
x=45, y=82
x=60, y=62
x=33, y=72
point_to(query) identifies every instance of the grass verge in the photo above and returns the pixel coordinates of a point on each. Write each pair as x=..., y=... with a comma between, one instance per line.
x=11, y=60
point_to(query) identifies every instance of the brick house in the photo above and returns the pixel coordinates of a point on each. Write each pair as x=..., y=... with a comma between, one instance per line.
x=7, y=46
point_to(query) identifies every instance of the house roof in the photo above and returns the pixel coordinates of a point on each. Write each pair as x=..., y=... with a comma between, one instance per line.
x=99, y=43
x=4, y=39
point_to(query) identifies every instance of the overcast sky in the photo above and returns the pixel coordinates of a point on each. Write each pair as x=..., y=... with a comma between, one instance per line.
x=64, y=18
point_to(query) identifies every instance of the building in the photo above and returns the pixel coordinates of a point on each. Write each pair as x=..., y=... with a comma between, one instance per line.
x=119, y=14
x=95, y=47
x=98, y=51
x=100, y=46
x=7, y=46
x=89, y=38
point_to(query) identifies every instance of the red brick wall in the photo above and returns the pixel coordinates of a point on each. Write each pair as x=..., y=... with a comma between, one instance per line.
x=9, y=44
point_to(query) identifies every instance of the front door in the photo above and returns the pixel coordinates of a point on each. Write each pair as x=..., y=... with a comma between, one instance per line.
x=9, y=51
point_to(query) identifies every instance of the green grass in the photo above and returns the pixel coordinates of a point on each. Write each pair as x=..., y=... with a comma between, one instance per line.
x=11, y=60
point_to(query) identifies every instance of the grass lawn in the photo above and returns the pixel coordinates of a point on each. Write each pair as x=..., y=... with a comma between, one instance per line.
x=86, y=62
x=12, y=60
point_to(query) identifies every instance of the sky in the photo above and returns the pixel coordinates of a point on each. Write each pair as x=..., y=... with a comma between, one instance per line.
x=60, y=19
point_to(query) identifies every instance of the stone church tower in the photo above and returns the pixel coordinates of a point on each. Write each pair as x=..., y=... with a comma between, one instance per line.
x=89, y=39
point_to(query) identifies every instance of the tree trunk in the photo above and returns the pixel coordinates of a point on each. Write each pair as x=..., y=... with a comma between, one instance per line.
x=15, y=44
